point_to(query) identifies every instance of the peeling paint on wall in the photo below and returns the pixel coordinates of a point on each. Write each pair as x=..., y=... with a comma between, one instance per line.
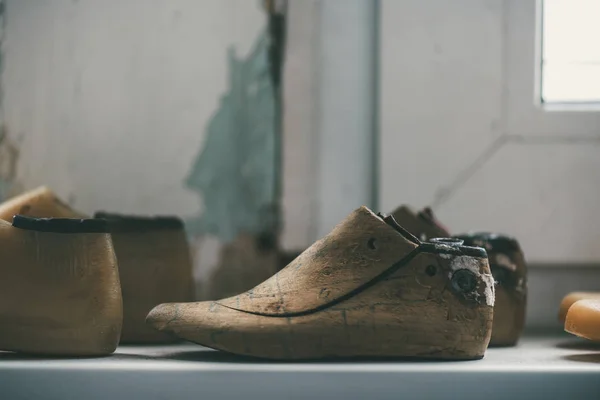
x=236, y=171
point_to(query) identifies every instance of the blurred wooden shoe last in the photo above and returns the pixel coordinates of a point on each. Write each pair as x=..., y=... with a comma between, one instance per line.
x=40, y=202
x=155, y=267
x=59, y=292
x=510, y=275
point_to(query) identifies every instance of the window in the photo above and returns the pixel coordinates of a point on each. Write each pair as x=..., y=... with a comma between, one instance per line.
x=570, y=51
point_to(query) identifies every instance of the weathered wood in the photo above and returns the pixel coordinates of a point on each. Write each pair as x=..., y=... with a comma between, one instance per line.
x=39, y=202
x=508, y=266
x=59, y=292
x=422, y=224
x=155, y=267
x=367, y=289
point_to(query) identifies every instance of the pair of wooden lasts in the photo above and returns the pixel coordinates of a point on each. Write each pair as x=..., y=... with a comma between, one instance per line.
x=369, y=288
x=77, y=286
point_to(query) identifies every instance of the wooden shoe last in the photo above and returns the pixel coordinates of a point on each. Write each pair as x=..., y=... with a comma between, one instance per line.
x=59, y=292
x=368, y=289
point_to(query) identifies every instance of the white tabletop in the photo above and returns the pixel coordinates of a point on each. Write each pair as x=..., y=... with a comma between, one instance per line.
x=540, y=367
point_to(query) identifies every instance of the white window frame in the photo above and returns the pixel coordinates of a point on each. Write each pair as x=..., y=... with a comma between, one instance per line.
x=532, y=117
x=592, y=105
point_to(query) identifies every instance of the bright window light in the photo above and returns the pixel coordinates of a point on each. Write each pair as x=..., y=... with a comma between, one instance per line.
x=570, y=51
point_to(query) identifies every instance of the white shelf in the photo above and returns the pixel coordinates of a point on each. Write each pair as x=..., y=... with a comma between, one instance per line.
x=540, y=367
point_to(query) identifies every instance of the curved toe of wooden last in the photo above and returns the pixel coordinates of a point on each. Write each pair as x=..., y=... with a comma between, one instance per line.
x=40, y=202
x=509, y=269
x=155, y=267
x=368, y=289
x=59, y=292
x=583, y=319
x=571, y=299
